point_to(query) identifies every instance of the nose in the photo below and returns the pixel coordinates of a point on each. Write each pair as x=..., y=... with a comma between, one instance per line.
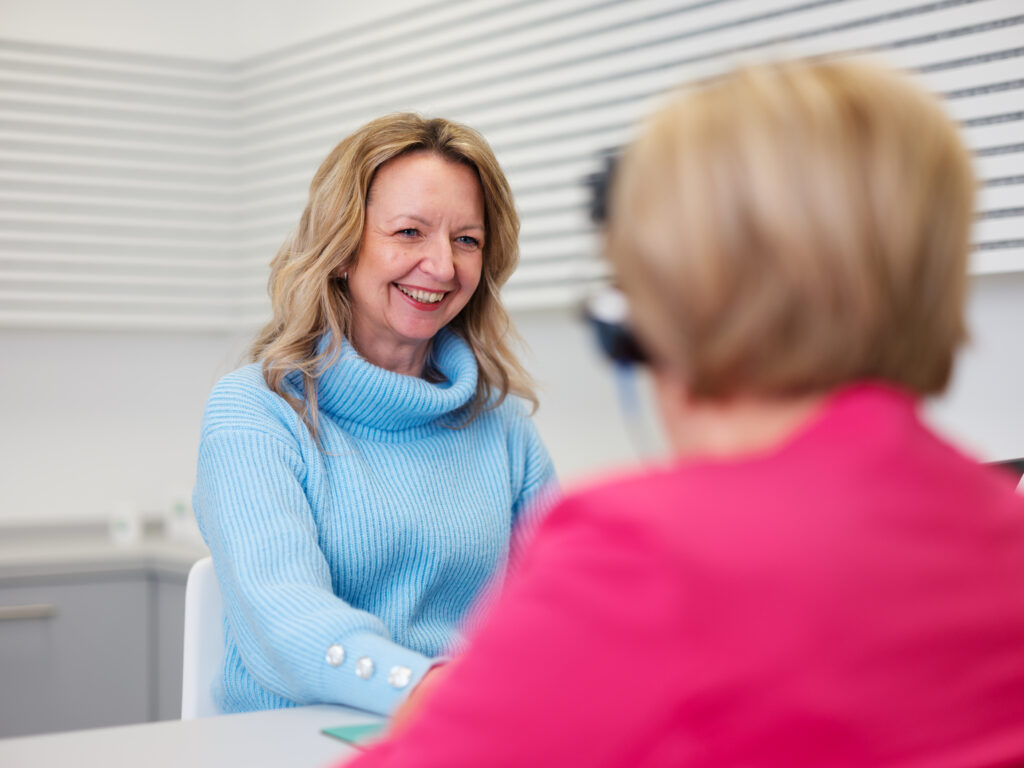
x=439, y=261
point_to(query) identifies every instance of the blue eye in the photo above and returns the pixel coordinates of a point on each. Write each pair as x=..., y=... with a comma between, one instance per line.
x=467, y=240
x=408, y=232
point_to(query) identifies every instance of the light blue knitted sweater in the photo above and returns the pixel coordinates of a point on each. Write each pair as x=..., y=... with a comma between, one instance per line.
x=346, y=571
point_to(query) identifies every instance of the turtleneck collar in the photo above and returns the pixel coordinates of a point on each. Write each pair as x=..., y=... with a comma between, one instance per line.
x=368, y=400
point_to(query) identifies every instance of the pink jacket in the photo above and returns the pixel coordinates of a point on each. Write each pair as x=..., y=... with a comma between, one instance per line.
x=854, y=598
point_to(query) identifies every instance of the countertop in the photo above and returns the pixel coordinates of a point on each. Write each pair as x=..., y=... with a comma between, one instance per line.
x=87, y=548
x=270, y=739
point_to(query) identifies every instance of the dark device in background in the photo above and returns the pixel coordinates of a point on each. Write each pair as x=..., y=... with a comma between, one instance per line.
x=607, y=311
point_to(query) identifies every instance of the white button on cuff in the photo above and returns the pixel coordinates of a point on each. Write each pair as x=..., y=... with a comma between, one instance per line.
x=399, y=677
x=364, y=667
x=335, y=655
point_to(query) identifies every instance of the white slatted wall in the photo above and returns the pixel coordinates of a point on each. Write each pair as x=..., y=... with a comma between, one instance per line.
x=138, y=191
x=118, y=205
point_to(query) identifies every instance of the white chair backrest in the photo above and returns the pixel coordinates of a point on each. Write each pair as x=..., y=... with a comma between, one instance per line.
x=204, y=642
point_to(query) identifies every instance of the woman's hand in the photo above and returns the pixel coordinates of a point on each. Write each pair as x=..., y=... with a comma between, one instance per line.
x=418, y=697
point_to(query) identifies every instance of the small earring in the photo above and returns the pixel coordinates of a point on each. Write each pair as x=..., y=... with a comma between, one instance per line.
x=345, y=276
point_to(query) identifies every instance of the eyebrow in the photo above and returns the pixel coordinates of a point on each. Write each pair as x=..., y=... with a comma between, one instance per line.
x=427, y=223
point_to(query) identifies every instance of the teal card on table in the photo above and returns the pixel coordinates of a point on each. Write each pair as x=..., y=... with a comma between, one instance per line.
x=358, y=735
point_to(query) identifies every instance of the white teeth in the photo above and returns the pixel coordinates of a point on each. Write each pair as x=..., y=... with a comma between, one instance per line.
x=424, y=297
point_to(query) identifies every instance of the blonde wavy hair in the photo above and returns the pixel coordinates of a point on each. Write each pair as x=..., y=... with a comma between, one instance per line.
x=790, y=227
x=309, y=300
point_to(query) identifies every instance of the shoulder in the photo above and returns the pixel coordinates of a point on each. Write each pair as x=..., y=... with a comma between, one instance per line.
x=511, y=410
x=243, y=387
x=620, y=494
x=510, y=416
x=675, y=510
x=605, y=536
x=642, y=503
x=240, y=382
x=242, y=400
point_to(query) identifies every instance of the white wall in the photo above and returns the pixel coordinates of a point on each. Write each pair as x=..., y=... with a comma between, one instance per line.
x=582, y=424
x=91, y=419
x=984, y=407
x=88, y=419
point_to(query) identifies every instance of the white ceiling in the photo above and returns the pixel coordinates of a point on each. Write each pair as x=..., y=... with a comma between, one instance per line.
x=224, y=30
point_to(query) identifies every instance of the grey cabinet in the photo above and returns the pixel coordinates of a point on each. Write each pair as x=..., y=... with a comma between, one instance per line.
x=92, y=643
x=168, y=608
x=74, y=654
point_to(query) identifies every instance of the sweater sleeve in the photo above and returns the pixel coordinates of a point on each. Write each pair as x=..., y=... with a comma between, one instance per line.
x=295, y=637
x=539, y=485
x=566, y=672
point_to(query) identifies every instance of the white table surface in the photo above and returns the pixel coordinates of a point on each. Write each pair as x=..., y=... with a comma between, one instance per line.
x=282, y=738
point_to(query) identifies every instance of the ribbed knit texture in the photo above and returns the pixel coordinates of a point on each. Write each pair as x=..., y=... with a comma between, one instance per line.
x=378, y=540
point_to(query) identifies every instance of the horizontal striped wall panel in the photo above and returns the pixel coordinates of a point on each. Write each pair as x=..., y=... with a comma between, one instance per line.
x=152, y=192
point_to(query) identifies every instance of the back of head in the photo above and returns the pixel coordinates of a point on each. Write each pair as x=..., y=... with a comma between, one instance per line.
x=792, y=227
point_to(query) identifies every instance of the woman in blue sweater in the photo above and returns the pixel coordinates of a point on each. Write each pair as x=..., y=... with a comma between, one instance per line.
x=359, y=482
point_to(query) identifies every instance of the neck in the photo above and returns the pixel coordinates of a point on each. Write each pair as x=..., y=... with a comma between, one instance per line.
x=734, y=427
x=408, y=359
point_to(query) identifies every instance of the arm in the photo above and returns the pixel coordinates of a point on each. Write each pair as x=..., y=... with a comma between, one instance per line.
x=567, y=671
x=534, y=491
x=533, y=475
x=283, y=615
x=538, y=486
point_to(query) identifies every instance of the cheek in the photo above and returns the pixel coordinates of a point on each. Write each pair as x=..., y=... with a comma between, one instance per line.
x=371, y=271
x=470, y=272
x=365, y=289
x=377, y=260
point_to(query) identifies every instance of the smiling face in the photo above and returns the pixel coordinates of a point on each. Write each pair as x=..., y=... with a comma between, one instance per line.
x=419, y=260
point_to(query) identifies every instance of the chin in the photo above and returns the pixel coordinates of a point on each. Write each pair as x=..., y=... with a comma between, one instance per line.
x=421, y=333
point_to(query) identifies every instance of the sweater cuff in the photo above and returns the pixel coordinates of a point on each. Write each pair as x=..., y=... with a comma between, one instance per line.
x=370, y=672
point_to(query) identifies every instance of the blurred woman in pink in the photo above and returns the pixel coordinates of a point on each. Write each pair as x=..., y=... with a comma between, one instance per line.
x=815, y=578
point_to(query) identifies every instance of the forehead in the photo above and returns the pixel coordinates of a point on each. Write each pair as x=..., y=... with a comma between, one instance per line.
x=426, y=181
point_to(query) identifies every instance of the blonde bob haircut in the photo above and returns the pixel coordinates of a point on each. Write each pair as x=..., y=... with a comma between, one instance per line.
x=791, y=227
x=310, y=297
